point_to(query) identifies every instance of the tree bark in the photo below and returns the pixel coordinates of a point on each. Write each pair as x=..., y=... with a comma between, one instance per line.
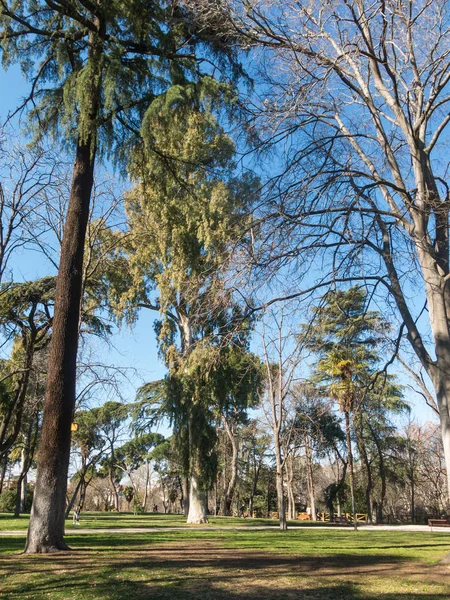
x=290, y=488
x=197, y=502
x=185, y=486
x=350, y=466
x=46, y=529
x=310, y=481
x=280, y=489
x=229, y=493
x=369, y=484
x=4, y=460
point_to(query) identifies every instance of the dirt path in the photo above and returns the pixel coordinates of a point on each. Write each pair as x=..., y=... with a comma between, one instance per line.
x=362, y=527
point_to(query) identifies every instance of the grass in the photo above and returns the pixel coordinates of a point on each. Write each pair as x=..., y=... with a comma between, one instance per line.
x=252, y=564
x=129, y=520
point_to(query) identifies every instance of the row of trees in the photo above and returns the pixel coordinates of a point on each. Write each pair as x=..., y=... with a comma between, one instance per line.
x=154, y=87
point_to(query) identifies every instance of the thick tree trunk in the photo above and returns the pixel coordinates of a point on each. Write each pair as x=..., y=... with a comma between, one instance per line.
x=46, y=529
x=197, y=502
x=350, y=466
x=442, y=386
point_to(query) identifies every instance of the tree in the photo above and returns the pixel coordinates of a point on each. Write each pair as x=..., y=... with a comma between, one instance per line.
x=111, y=418
x=318, y=431
x=25, y=315
x=282, y=354
x=361, y=92
x=344, y=335
x=94, y=68
x=26, y=176
x=182, y=222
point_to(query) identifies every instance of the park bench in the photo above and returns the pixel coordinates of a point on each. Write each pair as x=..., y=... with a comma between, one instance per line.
x=341, y=519
x=438, y=523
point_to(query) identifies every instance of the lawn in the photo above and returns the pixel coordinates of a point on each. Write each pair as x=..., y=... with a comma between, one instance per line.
x=252, y=564
x=100, y=520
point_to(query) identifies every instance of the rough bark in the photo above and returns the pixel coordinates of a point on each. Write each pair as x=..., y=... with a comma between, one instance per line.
x=46, y=529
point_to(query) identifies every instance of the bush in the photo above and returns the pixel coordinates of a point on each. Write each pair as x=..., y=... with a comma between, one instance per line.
x=8, y=501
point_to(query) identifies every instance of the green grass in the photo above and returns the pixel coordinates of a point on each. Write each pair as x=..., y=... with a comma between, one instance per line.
x=100, y=520
x=197, y=564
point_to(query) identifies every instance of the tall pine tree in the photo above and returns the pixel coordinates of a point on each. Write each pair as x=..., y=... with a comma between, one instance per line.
x=94, y=67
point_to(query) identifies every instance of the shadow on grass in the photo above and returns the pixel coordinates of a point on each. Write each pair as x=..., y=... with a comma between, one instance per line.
x=139, y=567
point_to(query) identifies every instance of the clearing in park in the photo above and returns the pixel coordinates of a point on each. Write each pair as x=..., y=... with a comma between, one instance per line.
x=120, y=557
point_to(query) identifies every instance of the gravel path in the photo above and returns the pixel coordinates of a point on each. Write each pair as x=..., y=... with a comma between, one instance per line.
x=361, y=527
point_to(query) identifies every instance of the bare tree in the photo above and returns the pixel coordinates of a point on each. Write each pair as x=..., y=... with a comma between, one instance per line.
x=281, y=355
x=26, y=178
x=358, y=92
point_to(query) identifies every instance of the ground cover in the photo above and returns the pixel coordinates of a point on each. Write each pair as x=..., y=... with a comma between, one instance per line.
x=194, y=564
x=99, y=520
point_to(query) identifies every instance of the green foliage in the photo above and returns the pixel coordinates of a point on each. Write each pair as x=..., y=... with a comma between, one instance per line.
x=345, y=336
x=8, y=501
x=95, y=68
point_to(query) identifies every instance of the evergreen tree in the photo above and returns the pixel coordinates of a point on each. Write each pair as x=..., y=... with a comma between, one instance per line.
x=94, y=68
x=182, y=223
x=345, y=335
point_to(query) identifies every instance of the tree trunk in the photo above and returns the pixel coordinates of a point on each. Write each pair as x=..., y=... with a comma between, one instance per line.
x=280, y=490
x=185, y=486
x=369, y=485
x=197, y=502
x=46, y=529
x=350, y=466
x=289, y=487
x=443, y=399
x=3, y=471
x=229, y=493
x=310, y=481
x=147, y=481
x=382, y=472
x=74, y=497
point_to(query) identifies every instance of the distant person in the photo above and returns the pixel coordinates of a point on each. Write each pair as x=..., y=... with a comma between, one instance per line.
x=242, y=511
x=76, y=516
x=308, y=512
x=155, y=508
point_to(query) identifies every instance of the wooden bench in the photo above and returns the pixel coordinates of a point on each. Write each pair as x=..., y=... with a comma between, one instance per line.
x=438, y=523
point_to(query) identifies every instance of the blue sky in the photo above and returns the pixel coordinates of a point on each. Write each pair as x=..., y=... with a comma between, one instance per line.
x=136, y=347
